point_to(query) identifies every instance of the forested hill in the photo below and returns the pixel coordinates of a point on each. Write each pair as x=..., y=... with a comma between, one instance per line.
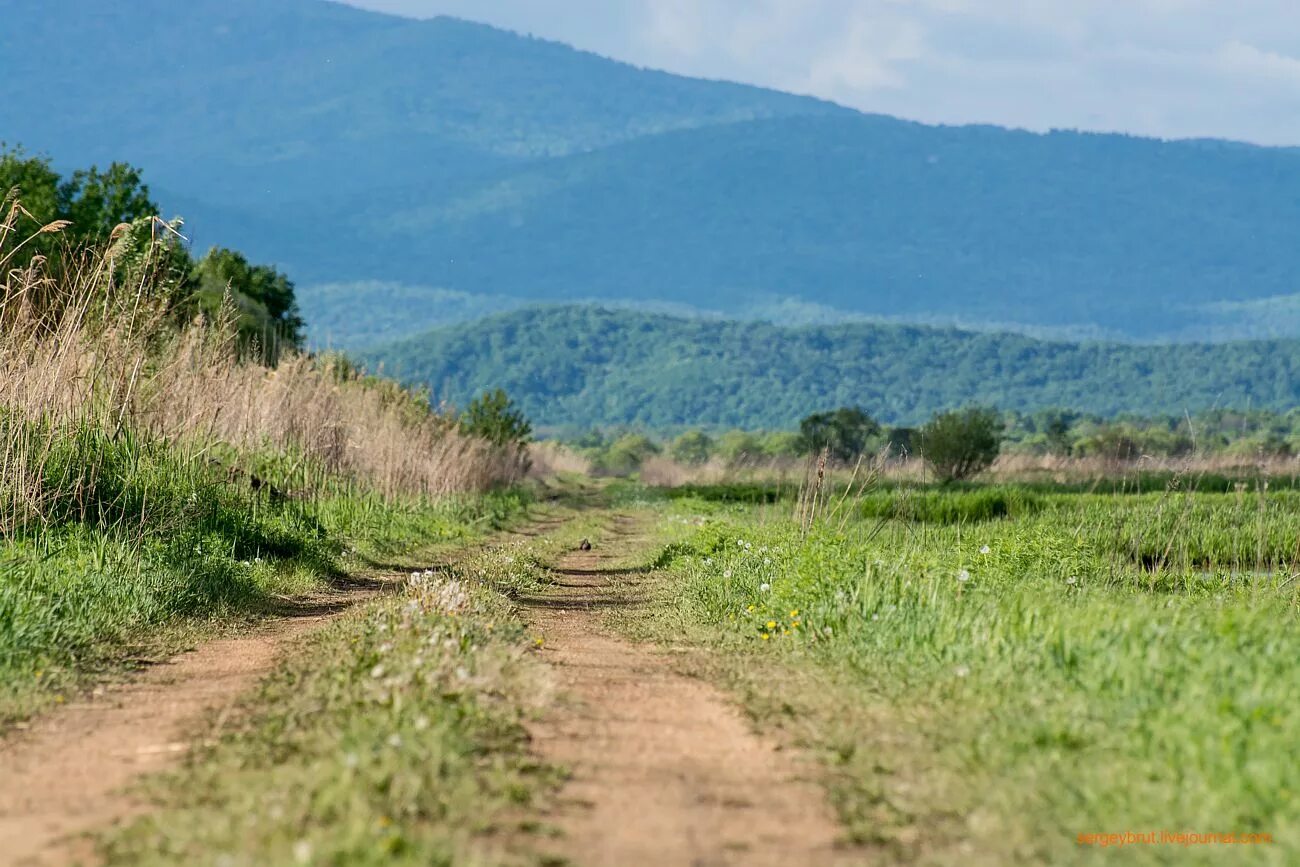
x=587, y=366
x=280, y=107
x=447, y=159
x=874, y=215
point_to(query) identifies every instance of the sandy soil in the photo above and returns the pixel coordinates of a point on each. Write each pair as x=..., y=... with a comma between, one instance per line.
x=665, y=770
x=66, y=774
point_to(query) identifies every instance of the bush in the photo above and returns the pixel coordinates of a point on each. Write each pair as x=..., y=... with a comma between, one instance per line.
x=692, y=447
x=844, y=433
x=962, y=443
x=494, y=417
x=625, y=455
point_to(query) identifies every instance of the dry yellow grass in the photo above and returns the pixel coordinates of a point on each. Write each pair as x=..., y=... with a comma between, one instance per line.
x=94, y=344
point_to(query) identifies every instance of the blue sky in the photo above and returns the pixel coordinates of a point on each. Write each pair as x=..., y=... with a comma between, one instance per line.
x=1170, y=68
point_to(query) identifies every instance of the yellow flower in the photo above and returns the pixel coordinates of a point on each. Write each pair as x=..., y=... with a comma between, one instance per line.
x=765, y=636
x=794, y=612
x=750, y=609
x=771, y=624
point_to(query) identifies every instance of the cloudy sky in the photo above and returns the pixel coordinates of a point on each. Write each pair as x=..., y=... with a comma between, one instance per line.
x=1171, y=68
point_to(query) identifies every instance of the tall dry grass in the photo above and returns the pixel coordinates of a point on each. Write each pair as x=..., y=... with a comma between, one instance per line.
x=91, y=345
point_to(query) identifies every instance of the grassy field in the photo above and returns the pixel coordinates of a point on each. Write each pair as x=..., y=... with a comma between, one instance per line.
x=990, y=672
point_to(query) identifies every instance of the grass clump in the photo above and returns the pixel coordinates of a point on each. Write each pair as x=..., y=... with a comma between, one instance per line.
x=393, y=737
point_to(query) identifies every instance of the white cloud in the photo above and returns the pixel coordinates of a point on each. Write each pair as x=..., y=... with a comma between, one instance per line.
x=1155, y=67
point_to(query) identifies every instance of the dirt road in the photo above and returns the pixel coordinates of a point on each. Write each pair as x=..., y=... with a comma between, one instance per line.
x=66, y=775
x=665, y=770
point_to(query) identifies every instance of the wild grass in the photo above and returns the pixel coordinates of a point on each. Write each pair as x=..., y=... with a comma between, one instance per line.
x=152, y=476
x=1095, y=663
x=394, y=737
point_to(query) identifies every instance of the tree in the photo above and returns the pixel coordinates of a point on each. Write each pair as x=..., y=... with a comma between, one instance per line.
x=263, y=298
x=692, y=447
x=92, y=202
x=962, y=443
x=1055, y=425
x=901, y=441
x=494, y=417
x=96, y=202
x=844, y=432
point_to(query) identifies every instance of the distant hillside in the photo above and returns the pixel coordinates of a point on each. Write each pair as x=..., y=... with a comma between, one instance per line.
x=354, y=147
x=584, y=366
x=279, y=105
x=1139, y=238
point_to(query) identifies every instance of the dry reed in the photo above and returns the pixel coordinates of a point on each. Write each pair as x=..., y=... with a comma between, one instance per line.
x=92, y=346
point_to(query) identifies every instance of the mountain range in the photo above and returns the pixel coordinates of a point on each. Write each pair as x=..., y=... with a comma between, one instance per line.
x=411, y=173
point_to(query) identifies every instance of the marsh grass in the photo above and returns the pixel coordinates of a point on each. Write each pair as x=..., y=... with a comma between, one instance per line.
x=1093, y=662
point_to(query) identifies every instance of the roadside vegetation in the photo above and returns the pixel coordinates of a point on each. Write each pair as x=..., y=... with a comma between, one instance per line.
x=171, y=463
x=393, y=737
x=989, y=671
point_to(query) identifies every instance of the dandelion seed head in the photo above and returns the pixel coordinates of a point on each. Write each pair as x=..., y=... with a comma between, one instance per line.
x=985, y=549
x=963, y=575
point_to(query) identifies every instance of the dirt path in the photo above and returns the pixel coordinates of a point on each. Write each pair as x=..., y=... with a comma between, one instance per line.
x=66, y=774
x=665, y=770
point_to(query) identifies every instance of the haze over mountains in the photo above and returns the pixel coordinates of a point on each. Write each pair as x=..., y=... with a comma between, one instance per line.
x=453, y=159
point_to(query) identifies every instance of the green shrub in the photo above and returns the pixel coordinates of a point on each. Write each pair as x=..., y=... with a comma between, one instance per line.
x=951, y=506
x=962, y=443
x=494, y=417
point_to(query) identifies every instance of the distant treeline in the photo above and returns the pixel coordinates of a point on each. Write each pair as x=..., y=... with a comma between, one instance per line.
x=1256, y=434
x=577, y=367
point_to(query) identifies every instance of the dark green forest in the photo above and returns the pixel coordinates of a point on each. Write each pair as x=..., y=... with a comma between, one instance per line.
x=346, y=146
x=576, y=367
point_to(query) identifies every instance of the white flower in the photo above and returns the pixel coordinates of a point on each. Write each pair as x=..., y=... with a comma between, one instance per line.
x=961, y=671
x=748, y=546
x=1071, y=580
x=767, y=561
x=421, y=723
x=875, y=617
x=740, y=542
x=395, y=741
x=985, y=549
x=963, y=576
x=377, y=672
x=764, y=587
x=726, y=574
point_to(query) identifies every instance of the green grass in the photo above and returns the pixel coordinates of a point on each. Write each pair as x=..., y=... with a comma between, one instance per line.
x=393, y=737
x=143, y=548
x=988, y=686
